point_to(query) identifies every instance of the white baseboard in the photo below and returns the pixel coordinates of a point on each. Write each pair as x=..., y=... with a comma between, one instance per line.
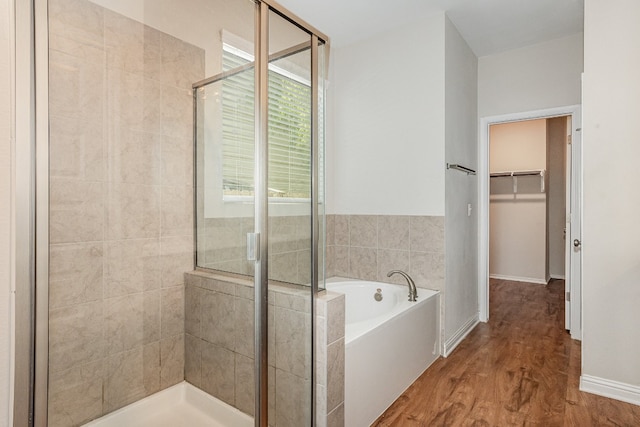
x=460, y=334
x=612, y=389
x=519, y=279
x=557, y=276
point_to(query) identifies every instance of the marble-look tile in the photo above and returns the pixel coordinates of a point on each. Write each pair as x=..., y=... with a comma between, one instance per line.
x=76, y=149
x=282, y=234
x=75, y=395
x=182, y=63
x=131, y=266
x=152, y=55
x=393, y=232
x=363, y=263
x=329, y=262
x=172, y=311
x=133, y=211
x=76, y=211
x=176, y=211
x=335, y=318
x=427, y=270
x=293, y=394
x=218, y=372
x=321, y=406
x=283, y=267
x=75, y=336
x=304, y=267
x=77, y=19
x=342, y=232
x=152, y=111
x=336, y=417
x=124, y=322
x=124, y=42
x=221, y=286
x=303, y=231
x=245, y=387
x=218, y=326
x=244, y=314
x=225, y=238
x=427, y=233
x=75, y=273
x=292, y=334
x=330, y=225
x=335, y=374
x=177, y=161
x=297, y=300
x=151, y=316
x=193, y=296
x=321, y=350
x=363, y=231
x=193, y=360
x=177, y=112
x=124, y=381
x=341, y=266
x=78, y=91
x=151, y=367
x=125, y=100
x=393, y=260
x=171, y=360
x=177, y=257
x=133, y=157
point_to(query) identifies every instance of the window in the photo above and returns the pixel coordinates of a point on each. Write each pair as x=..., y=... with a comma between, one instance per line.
x=289, y=131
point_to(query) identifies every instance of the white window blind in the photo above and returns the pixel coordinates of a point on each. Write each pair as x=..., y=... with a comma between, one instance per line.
x=289, y=131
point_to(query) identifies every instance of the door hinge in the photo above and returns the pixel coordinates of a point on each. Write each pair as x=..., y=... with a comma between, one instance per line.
x=568, y=296
x=569, y=139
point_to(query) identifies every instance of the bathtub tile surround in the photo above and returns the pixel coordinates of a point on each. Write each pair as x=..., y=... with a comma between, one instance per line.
x=120, y=208
x=368, y=246
x=219, y=344
x=330, y=358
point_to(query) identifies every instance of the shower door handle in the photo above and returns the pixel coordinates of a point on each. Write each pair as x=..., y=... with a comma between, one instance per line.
x=576, y=243
x=253, y=246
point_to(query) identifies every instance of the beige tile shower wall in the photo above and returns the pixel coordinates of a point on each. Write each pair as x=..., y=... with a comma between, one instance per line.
x=369, y=246
x=120, y=211
x=219, y=340
x=224, y=247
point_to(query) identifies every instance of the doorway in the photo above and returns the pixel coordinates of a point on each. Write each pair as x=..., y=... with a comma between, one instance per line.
x=529, y=180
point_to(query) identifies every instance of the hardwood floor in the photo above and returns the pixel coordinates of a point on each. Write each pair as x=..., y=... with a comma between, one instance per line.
x=521, y=368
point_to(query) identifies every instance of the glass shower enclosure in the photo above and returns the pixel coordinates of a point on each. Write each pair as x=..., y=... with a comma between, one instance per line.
x=185, y=213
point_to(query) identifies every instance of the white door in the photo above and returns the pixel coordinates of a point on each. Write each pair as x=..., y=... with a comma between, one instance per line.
x=567, y=227
x=574, y=241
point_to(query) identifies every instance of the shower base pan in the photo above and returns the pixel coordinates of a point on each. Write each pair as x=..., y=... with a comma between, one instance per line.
x=182, y=405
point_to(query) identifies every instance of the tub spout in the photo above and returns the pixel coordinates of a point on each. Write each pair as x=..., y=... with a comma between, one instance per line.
x=413, y=292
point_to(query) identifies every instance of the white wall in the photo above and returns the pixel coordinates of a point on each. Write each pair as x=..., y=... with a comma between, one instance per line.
x=540, y=76
x=5, y=212
x=387, y=148
x=518, y=230
x=461, y=230
x=611, y=230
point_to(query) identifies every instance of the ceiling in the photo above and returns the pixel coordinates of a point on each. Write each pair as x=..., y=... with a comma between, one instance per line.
x=488, y=26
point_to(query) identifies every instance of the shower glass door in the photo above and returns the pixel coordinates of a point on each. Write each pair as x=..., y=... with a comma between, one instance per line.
x=254, y=168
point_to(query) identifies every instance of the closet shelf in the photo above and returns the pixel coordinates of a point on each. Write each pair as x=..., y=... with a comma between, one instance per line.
x=515, y=174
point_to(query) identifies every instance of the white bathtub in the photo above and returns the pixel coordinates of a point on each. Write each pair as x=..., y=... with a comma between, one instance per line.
x=388, y=344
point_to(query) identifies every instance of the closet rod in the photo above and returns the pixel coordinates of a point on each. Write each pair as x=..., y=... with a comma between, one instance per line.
x=461, y=168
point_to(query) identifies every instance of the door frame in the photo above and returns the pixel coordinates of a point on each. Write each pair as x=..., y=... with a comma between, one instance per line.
x=575, y=111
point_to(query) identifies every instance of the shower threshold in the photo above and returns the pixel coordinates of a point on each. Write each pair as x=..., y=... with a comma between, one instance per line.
x=182, y=405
